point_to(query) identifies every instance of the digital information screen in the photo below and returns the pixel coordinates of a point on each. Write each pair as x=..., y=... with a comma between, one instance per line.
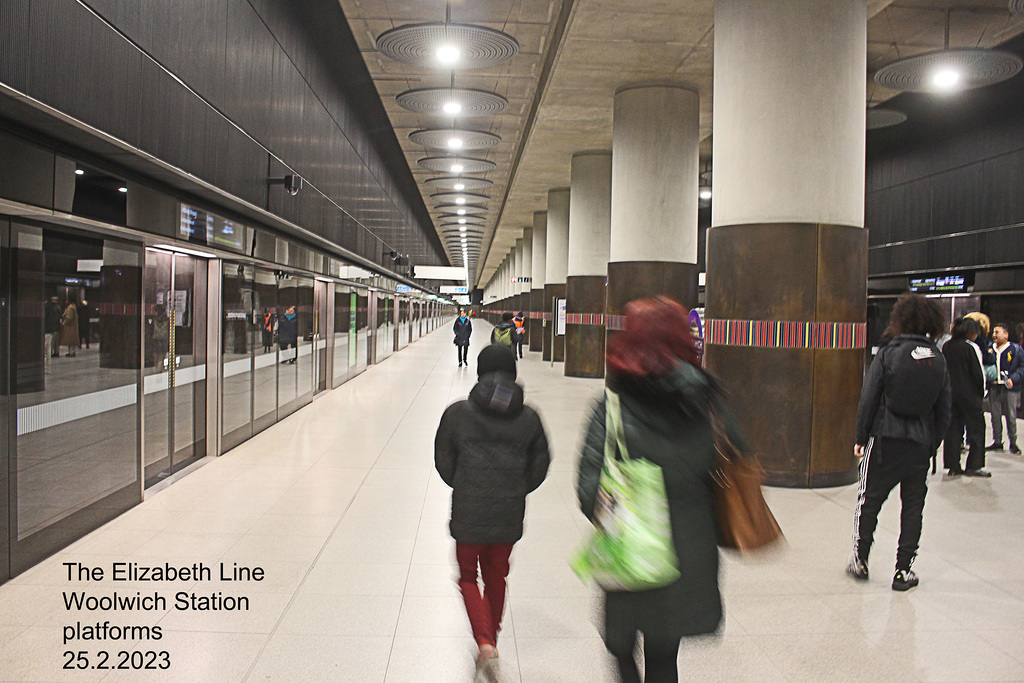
x=952, y=282
x=201, y=227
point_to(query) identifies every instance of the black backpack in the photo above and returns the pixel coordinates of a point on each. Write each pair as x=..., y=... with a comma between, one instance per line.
x=914, y=373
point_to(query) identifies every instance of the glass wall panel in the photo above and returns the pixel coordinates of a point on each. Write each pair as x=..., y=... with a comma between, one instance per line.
x=287, y=335
x=75, y=451
x=306, y=312
x=156, y=383
x=385, y=326
x=358, y=361
x=187, y=303
x=344, y=332
x=236, y=354
x=265, y=362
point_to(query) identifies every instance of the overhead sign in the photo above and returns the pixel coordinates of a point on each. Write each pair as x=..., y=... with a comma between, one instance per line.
x=520, y=279
x=454, y=289
x=403, y=288
x=202, y=227
x=952, y=282
x=439, y=273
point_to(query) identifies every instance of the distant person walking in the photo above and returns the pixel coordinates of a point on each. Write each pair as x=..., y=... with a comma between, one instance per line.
x=69, y=328
x=666, y=401
x=967, y=386
x=463, y=329
x=904, y=411
x=504, y=332
x=520, y=334
x=288, y=334
x=492, y=450
x=1003, y=392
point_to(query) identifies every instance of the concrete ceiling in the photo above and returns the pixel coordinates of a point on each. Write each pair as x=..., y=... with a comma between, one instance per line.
x=574, y=53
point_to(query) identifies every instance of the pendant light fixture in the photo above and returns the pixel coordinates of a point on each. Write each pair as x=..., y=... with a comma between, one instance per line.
x=458, y=183
x=949, y=69
x=454, y=102
x=454, y=138
x=457, y=164
x=448, y=46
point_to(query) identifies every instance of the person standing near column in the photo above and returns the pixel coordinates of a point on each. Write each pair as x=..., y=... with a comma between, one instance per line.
x=967, y=385
x=904, y=411
x=493, y=451
x=463, y=329
x=1002, y=393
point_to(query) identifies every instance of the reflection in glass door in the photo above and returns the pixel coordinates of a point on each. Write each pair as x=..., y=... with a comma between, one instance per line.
x=320, y=335
x=174, y=382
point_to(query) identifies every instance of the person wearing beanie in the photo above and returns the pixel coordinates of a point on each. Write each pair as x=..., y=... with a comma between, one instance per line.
x=492, y=450
x=504, y=333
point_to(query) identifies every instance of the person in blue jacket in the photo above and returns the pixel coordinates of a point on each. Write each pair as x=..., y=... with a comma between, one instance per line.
x=1004, y=392
x=288, y=332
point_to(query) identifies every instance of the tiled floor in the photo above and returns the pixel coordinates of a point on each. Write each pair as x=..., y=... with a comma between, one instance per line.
x=340, y=505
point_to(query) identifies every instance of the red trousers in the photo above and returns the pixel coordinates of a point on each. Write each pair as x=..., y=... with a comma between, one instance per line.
x=485, y=610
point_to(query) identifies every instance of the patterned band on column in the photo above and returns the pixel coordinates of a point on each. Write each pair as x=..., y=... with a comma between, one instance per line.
x=786, y=334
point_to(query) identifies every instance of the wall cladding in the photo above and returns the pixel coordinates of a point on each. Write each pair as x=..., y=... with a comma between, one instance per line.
x=257, y=65
x=946, y=191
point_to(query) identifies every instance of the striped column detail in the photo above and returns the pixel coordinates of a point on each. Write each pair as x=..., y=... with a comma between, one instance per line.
x=786, y=334
x=615, y=322
x=536, y=315
x=584, y=319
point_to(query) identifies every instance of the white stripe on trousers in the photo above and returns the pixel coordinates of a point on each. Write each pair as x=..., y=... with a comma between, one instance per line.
x=861, y=491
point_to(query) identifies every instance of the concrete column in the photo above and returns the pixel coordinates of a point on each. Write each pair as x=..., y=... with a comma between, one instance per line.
x=538, y=266
x=517, y=272
x=526, y=302
x=787, y=243
x=655, y=170
x=590, y=205
x=557, y=264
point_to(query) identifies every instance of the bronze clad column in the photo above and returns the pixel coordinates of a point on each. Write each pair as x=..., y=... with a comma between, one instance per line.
x=525, y=271
x=538, y=266
x=787, y=253
x=655, y=164
x=590, y=208
x=557, y=264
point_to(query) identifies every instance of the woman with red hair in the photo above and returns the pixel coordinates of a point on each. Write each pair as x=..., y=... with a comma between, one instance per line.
x=666, y=402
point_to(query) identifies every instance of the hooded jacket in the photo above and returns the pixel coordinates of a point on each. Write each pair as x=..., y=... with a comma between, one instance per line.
x=667, y=421
x=287, y=329
x=492, y=450
x=876, y=418
x=503, y=325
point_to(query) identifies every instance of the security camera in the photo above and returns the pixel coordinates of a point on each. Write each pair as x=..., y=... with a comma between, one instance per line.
x=292, y=184
x=393, y=254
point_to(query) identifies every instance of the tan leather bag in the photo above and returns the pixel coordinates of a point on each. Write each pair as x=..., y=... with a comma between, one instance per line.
x=741, y=514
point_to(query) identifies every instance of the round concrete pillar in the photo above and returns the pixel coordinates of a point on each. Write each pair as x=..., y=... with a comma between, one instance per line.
x=525, y=299
x=556, y=266
x=787, y=253
x=590, y=203
x=538, y=267
x=655, y=167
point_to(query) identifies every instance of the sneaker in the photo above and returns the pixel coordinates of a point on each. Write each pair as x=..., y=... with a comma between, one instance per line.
x=994, y=446
x=904, y=580
x=858, y=569
x=1014, y=449
x=978, y=473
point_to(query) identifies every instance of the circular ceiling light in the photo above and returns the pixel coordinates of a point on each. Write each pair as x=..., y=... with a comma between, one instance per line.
x=454, y=138
x=464, y=196
x=946, y=70
x=462, y=221
x=461, y=209
x=704, y=192
x=447, y=46
x=460, y=200
x=454, y=183
x=457, y=164
x=883, y=118
x=452, y=101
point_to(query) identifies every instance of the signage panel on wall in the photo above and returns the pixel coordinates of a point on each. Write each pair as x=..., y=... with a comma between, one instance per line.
x=560, y=319
x=454, y=289
x=403, y=288
x=201, y=227
x=942, y=283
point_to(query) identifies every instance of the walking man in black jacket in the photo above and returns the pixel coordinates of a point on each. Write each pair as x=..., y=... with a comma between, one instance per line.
x=904, y=411
x=492, y=450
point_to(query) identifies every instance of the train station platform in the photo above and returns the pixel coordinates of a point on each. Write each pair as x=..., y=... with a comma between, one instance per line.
x=340, y=507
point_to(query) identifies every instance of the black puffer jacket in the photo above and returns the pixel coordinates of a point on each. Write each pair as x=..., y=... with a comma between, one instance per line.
x=463, y=329
x=492, y=450
x=667, y=421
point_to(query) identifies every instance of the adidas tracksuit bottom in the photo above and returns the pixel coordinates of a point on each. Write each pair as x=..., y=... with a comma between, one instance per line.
x=886, y=464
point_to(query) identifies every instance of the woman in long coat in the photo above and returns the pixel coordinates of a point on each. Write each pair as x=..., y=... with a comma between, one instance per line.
x=666, y=400
x=69, y=328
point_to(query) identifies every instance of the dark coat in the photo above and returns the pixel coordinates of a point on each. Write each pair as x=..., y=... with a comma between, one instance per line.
x=666, y=421
x=875, y=418
x=287, y=329
x=463, y=328
x=492, y=450
x=966, y=379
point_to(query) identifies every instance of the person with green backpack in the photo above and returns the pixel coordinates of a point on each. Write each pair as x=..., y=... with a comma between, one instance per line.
x=504, y=331
x=659, y=404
